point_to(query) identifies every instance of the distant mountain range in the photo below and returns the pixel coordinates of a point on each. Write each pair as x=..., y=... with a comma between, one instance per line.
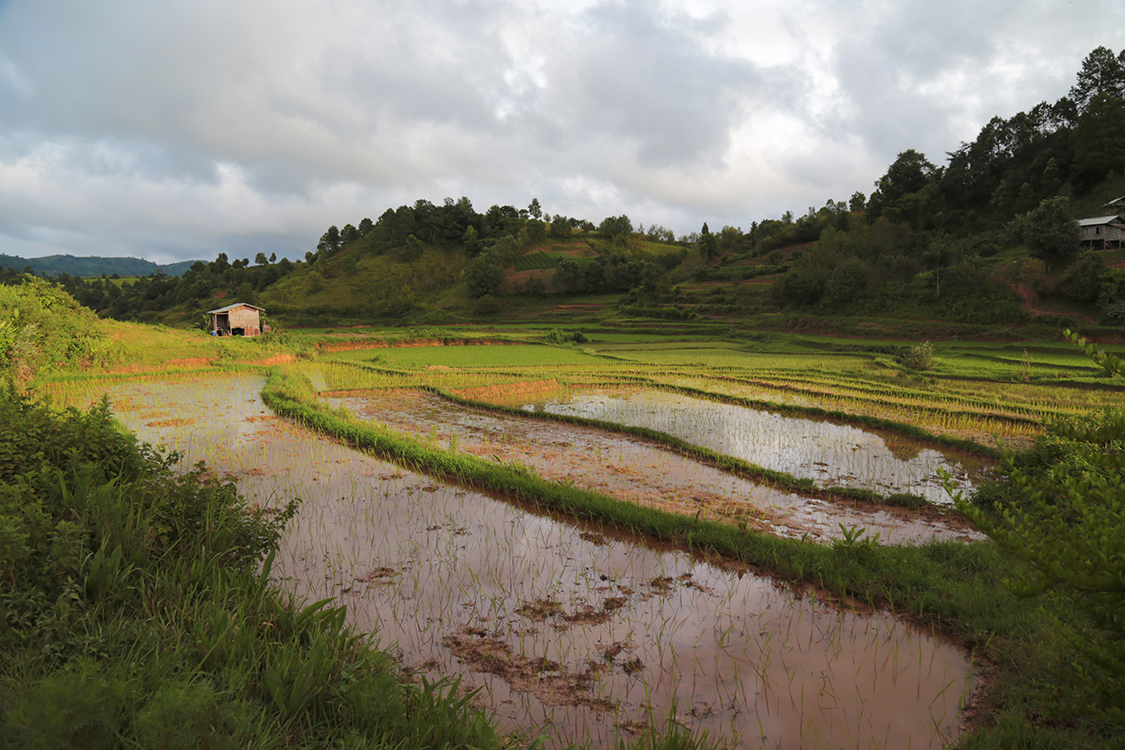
x=53, y=265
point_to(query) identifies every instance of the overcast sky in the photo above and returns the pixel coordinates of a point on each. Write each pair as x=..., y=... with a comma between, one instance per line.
x=177, y=129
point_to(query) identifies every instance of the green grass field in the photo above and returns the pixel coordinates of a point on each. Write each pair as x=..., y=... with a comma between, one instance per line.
x=528, y=355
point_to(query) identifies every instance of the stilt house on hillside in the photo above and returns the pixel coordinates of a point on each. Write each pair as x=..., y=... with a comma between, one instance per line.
x=1102, y=232
x=239, y=319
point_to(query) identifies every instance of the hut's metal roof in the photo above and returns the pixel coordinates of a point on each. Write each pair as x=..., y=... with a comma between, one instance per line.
x=228, y=308
x=1097, y=221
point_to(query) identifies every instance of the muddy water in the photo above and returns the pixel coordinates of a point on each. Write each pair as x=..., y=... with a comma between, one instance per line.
x=830, y=454
x=569, y=630
x=638, y=471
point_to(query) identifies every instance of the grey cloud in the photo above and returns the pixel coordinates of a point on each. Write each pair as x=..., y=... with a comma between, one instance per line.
x=918, y=72
x=189, y=126
x=641, y=78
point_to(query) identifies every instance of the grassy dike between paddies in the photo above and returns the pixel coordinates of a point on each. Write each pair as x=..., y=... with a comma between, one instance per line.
x=136, y=611
x=952, y=588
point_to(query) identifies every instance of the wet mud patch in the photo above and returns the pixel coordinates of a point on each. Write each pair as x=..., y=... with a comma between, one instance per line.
x=587, y=614
x=380, y=575
x=540, y=610
x=171, y=423
x=543, y=610
x=545, y=679
x=593, y=538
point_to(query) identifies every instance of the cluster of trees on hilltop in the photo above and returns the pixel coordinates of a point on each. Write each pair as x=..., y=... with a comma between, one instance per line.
x=493, y=240
x=452, y=225
x=208, y=284
x=1014, y=184
x=927, y=234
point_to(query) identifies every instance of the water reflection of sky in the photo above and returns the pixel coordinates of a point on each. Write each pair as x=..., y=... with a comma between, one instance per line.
x=830, y=454
x=634, y=470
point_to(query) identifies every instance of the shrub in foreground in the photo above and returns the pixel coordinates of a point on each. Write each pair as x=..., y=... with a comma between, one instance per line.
x=920, y=357
x=1061, y=508
x=136, y=611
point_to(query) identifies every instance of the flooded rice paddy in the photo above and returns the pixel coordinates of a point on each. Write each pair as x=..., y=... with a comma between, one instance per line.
x=568, y=629
x=639, y=471
x=830, y=454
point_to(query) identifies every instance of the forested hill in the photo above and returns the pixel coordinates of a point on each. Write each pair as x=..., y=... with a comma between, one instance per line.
x=991, y=237
x=54, y=265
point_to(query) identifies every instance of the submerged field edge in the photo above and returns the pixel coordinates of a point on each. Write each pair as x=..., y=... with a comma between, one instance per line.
x=779, y=480
x=865, y=420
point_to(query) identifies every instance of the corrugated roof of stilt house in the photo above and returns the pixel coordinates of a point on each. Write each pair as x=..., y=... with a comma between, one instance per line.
x=1117, y=204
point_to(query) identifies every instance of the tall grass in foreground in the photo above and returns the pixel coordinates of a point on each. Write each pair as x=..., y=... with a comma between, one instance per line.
x=135, y=611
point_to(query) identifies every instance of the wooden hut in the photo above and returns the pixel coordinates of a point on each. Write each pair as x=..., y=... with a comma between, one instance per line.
x=1102, y=232
x=239, y=319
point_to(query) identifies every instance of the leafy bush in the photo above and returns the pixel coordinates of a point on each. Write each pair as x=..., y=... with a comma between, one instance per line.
x=1082, y=281
x=485, y=275
x=1062, y=509
x=486, y=305
x=801, y=287
x=41, y=327
x=436, y=318
x=556, y=336
x=920, y=357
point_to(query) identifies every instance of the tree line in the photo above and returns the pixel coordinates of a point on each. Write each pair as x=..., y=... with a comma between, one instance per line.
x=1017, y=183
x=927, y=233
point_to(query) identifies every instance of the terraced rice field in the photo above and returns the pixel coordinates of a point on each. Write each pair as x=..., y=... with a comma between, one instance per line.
x=571, y=629
x=636, y=470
